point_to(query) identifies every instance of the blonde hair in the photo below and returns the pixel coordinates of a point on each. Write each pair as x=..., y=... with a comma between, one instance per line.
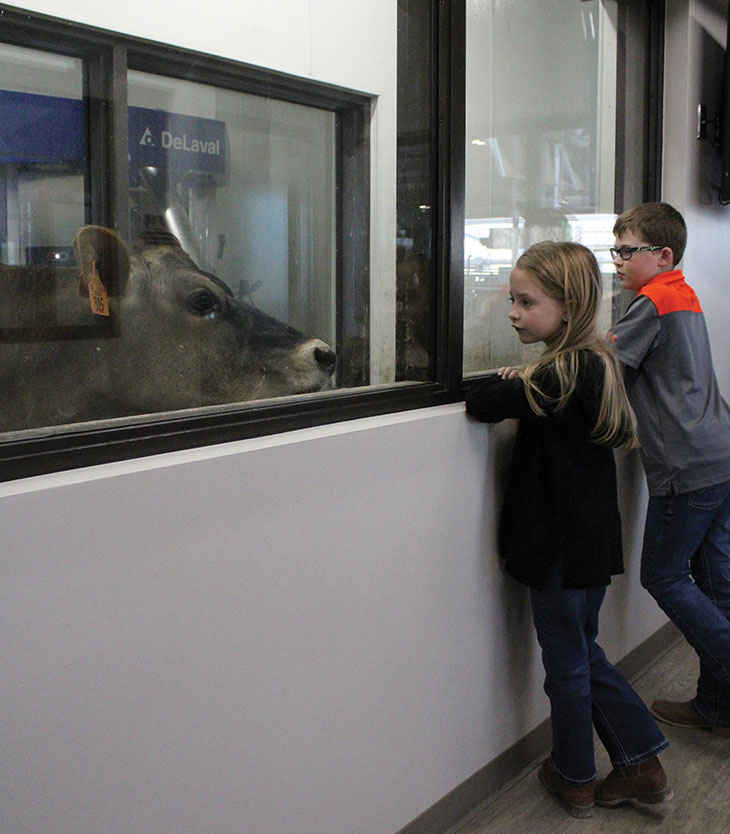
x=569, y=273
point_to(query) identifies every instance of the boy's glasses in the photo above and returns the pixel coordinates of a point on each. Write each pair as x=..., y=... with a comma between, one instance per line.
x=626, y=252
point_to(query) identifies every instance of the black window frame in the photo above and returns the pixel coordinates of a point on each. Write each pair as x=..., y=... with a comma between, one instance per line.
x=109, y=55
x=640, y=79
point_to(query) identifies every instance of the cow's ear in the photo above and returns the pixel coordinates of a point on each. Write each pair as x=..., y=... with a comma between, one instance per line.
x=102, y=251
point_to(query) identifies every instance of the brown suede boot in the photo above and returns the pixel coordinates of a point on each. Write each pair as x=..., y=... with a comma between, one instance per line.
x=577, y=798
x=645, y=782
x=681, y=714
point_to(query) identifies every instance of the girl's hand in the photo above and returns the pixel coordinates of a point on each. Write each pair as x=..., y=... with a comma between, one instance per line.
x=508, y=373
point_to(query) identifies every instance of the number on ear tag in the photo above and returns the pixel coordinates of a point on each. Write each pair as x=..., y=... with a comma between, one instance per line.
x=98, y=298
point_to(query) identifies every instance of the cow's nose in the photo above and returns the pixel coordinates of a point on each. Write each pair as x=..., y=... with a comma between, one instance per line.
x=325, y=358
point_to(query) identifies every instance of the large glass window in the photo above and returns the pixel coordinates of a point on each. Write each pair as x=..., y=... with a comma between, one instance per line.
x=540, y=152
x=190, y=239
x=195, y=250
x=237, y=272
x=239, y=256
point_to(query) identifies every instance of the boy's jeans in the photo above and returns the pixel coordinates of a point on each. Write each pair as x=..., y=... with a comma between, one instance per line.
x=584, y=688
x=685, y=566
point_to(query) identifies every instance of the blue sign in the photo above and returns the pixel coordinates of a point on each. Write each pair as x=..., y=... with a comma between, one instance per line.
x=171, y=140
x=41, y=129
x=49, y=129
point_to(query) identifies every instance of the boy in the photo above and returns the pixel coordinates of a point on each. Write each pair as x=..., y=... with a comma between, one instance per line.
x=684, y=429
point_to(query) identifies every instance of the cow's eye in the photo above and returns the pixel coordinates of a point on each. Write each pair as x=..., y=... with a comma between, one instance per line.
x=202, y=302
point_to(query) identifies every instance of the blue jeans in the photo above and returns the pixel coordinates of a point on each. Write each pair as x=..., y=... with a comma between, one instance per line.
x=584, y=689
x=685, y=566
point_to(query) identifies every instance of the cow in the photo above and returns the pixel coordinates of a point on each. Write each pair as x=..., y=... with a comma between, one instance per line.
x=176, y=338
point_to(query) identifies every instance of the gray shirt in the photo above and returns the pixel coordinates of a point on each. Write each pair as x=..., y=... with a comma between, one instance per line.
x=684, y=423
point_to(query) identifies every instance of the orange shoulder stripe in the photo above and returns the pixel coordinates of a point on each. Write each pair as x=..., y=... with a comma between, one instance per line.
x=672, y=298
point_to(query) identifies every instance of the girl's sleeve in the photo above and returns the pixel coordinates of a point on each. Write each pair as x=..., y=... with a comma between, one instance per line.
x=494, y=399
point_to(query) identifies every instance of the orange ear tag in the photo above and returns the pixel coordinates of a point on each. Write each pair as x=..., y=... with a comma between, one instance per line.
x=98, y=298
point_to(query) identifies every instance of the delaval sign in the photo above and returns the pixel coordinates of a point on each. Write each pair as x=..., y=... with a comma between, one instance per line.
x=51, y=130
x=171, y=140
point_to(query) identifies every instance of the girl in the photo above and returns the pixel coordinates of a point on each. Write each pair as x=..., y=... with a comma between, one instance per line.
x=560, y=529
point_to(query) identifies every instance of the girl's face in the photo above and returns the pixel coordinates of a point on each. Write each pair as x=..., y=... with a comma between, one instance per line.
x=536, y=316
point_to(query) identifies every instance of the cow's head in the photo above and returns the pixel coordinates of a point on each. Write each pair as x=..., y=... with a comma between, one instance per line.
x=184, y=339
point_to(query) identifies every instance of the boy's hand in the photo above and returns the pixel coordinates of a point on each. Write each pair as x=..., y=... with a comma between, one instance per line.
x=508, y=373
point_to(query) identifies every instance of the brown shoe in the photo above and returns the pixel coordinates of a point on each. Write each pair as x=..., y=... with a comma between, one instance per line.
x=681, y=714
x=577, y=798
x=645, y=782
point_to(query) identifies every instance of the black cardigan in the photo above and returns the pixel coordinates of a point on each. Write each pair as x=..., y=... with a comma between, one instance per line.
x=560, y=499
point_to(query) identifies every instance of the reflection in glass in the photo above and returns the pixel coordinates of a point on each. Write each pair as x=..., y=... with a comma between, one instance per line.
x=540, y=153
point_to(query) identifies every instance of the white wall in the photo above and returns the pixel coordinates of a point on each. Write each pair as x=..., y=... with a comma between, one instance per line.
x=307, y=632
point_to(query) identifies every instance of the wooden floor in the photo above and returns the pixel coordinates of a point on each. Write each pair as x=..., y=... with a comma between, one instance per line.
x=697, y=764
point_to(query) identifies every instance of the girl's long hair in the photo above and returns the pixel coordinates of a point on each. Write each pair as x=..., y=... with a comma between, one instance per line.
x=569, y=273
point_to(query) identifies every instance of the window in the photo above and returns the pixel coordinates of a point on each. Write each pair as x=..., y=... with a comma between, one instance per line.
x=262, y=246
x=227, y=286
x=269, y=251
x=545, y=142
